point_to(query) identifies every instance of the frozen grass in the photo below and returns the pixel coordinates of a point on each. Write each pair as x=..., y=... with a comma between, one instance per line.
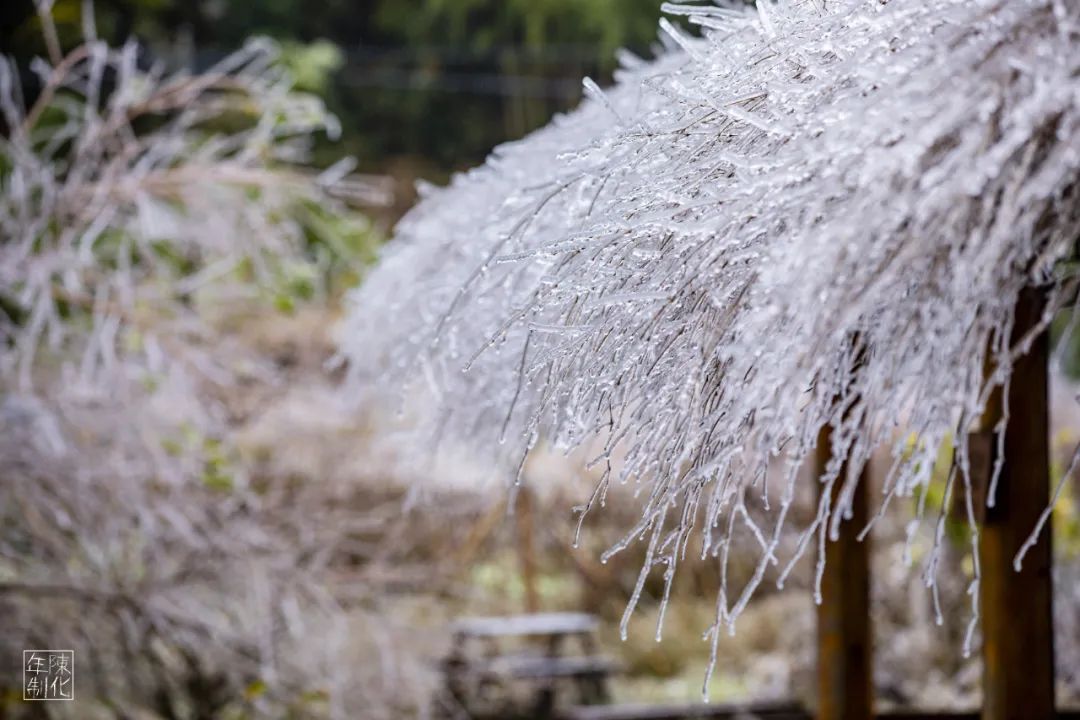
x=146, y=217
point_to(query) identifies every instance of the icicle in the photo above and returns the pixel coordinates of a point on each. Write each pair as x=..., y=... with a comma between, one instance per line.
x=593, y=90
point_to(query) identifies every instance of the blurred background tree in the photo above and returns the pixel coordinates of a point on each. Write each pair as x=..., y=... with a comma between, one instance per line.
x=421, y=87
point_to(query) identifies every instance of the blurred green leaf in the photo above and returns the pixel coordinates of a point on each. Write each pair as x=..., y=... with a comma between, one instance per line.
x=312, y=65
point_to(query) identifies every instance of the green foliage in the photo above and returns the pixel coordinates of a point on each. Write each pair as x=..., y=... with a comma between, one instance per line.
x=932, y=496
x=444, y=80
x=1066, y=518
x=471, y=74
x=312, y=65
x=217, y=466
x=340, y=243
x=1066, y=341
x=604, y=25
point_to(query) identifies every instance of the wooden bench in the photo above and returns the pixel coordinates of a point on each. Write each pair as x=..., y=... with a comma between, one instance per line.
x=544, y=667
x=541, y=661
x=536, y=624
x=765, y=711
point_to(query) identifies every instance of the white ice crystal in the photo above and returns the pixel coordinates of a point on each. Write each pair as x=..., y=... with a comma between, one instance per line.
x=817, y=214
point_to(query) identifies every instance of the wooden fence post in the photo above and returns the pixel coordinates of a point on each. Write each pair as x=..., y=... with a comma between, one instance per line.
x=1017, y=619
x=845, y=644
x=527, y=548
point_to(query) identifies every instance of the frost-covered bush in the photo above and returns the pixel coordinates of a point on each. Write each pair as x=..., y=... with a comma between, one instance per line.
x=145, y=217
x=817, y=214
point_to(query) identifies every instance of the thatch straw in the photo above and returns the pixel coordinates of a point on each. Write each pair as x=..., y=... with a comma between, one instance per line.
x=818, y=214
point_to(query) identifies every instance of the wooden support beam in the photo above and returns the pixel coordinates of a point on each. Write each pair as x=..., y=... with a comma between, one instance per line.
x=1017, y=622
x=845, y=645
x=527, y=548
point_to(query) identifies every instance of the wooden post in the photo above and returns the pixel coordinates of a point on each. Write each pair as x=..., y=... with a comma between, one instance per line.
x=845, y=645
x=527, y=548
x=1017, y=619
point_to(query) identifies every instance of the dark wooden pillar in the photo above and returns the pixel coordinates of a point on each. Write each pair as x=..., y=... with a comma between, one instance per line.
x=845, y=645
x=1017, y=619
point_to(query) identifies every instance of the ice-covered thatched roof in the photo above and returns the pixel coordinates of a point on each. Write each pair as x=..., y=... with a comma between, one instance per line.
x=817, y=214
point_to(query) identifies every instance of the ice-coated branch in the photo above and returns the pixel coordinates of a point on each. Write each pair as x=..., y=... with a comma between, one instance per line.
x=817, y=214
